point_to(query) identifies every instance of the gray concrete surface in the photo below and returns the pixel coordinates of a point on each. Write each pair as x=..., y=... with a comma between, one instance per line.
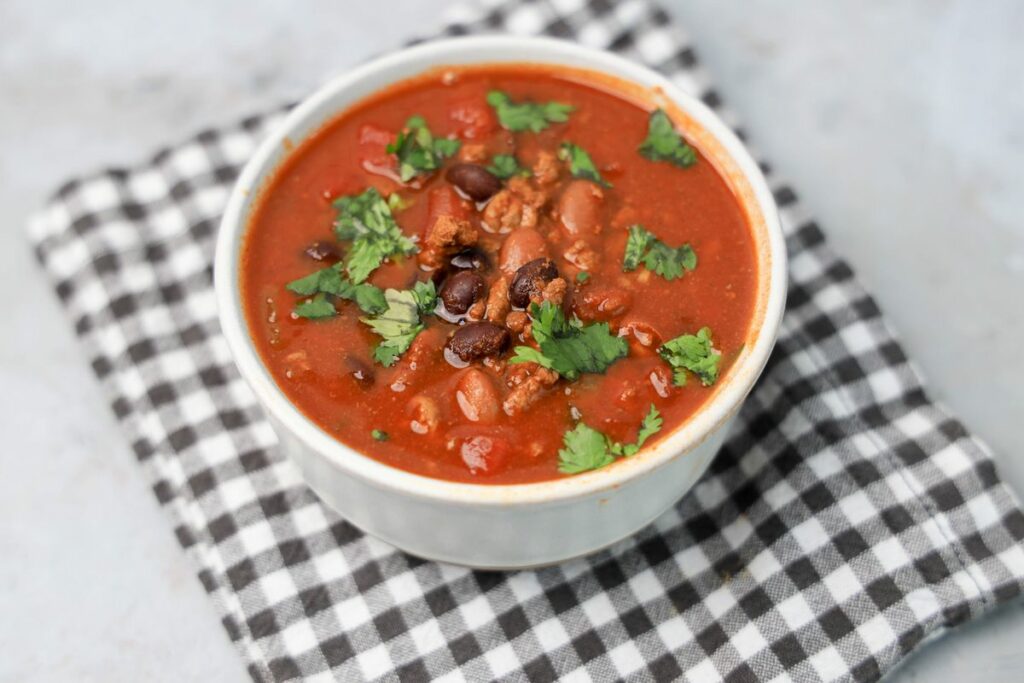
x=901, y=124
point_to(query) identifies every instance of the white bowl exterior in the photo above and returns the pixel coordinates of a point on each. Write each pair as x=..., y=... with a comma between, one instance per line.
x=478, y=525
x=501, y=537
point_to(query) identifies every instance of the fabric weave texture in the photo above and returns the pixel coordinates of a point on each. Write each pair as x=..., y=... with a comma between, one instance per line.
x=846, y=520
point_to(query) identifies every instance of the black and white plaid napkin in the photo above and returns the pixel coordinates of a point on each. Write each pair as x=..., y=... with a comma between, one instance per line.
x=846, y=520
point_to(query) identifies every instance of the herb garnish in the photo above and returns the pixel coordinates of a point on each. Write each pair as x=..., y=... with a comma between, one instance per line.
x=668, y=262
x=664, y=143
x=379, y=435
x=330, y=281
x=582, y=276
x=401, y=321
x=505, y=166
x=317, y=307
x=588, y=449
x=580, y=163
x=532, y=116
x=418, y=151
x=569, y=347
x=366, y=220
x=398, y=203
x=692, y=352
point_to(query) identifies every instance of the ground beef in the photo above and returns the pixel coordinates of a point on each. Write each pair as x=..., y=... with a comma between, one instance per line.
x=446, y=236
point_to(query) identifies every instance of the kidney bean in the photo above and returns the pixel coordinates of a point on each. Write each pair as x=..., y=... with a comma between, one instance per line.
x=323, y=251
x=424, y=413
x=461, y=290
x=661, y=380
x=521, y=247
x=443, y=200
x=477, y=397
x=579, y=208
x=529, y=281
x=477, y=340
x=474, y=180
x=484, y=454
x=642, y=331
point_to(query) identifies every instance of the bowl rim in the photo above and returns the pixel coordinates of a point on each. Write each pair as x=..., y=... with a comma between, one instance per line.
x=711, y=416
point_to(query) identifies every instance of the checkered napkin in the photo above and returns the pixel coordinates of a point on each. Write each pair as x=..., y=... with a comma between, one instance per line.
x=846, y=520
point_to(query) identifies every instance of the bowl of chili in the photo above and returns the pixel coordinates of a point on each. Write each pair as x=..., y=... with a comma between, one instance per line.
x=500, y=298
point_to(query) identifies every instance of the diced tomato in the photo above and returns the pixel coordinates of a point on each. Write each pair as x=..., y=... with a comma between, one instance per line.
x=474, y=120
x=484, y=454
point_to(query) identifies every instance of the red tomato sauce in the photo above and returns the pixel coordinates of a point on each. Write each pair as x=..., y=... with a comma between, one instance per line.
x=437, y=423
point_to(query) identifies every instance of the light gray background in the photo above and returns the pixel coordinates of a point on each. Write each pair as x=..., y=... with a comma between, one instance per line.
x=901, y=125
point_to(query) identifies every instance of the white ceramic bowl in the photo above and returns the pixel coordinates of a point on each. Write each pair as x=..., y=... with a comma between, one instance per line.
x=524, y=525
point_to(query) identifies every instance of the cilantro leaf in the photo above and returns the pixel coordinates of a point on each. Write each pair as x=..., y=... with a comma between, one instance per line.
x=582, y=276
x=694, y=353
x=650, y=426
x=317, y=307
x=586, y=449
x=504, y=166
x=569, y=347
x=330, y=281
x=664, y=143
x=309, y=284
x=668, y=262
x=528, y=354
x=418, y=151
x=379, y=435
x=398, y=203
x=366, y=220
x=446, y=147
x=399, y=324
x=425, y=295
x=532, y=116
x=580, y=163
x=369, y=298
x=636, y=246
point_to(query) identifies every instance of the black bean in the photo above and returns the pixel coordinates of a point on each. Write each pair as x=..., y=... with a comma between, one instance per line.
x=467, y=259
x=529, y=281
x=323, y=251
x=475, y=181
x=461, y=290
x=360, y=371
x=470, y=259
x=476, y=340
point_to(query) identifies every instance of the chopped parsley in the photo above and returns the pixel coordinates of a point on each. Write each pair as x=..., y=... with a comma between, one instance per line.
x=569, y=347
x=379, y=435
x=587, y=449
x=330, y=281
x=664, y=143
x=532, y=116
x=505, y=166
x=418, y=151
x=366, y=220
x=582, y=276
x=399, y=324
x=580, y=163
x=693, y=353
x=668, y=262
